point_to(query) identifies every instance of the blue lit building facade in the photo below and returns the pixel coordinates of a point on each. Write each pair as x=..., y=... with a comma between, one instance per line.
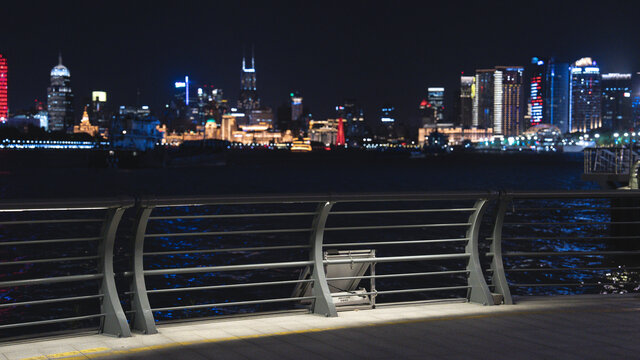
x=585, y=107
x=548, y=93
x=557, y=96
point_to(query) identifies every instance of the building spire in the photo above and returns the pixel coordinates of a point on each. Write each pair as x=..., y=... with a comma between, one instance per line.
x=59, y=57
x=244, y=67
x=253, y=64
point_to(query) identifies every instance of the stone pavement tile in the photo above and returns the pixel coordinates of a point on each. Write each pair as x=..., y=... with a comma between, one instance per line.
x=310, y=343
x=277, y=346
x=446, y=334
x=23, y=353
x=366, y=343
x=224, y=350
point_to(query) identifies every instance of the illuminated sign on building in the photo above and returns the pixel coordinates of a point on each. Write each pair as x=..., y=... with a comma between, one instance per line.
x=99, y=96
x=536, y=100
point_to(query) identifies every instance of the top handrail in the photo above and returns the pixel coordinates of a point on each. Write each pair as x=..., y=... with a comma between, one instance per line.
x=68, y=204
x=566, y=194
x=312, y=198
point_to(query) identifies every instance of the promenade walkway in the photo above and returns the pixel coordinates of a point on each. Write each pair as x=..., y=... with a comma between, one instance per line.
x=565, y=327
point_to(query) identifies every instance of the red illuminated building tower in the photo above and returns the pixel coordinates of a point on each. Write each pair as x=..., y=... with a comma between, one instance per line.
x=4, y=104
x=340, y=139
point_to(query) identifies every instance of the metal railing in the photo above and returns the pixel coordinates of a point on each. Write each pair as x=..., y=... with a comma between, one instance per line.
x=32, y=260
x=314, y=216
x=609, y=160
x=578, y=245
x=207, y=256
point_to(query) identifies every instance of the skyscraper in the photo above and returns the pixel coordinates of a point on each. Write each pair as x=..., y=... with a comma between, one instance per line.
x=636, y=99
x=4, y=90
x=98, y=114
x=467, y=89
x=483, y=100
x=585, y=112
x=435, y=97
x=296, y=106
x=537, y=91
x=557, y=95
x=507, y=100
x=248, y=90
x=60, y=99
x=617, y=101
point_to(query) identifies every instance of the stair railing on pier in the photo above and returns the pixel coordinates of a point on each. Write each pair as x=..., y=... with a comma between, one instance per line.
x=609, y=160
x=596, y=228
x=79, y=264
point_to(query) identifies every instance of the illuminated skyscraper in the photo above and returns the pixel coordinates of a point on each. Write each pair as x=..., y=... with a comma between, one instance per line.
x=60, y=99
x=248, y=90
x=507, y=100
x=4, y=90
x=557, y=97
x=98, y=114
x=497, y=97
x=585, y=112
x=467, y=89
x=435, y=97
x=483, y=100
x=296, y=107
x=537, y=91
x=617, y=101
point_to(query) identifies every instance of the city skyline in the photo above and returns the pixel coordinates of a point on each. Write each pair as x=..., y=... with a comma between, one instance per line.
x=327, y=65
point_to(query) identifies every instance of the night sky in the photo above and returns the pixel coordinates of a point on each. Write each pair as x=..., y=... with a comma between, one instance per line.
x=375, y=52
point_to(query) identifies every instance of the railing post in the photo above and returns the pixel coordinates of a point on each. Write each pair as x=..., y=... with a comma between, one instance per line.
x=323, y=303
x=114, y=321
x=498, y=277
x=143, y=320
x=479, y=291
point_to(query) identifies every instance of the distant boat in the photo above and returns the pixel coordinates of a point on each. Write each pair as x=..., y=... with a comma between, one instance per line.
x=417, y=155
x=578, y=147
x=303, y=145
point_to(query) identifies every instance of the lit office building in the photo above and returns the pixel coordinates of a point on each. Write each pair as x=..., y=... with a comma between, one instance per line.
x=556, y=110
x=296, y=107
x=635, y=99
x=248, y=89
x=435, y=97
x=585, y=112
x=537, y=91
x=483, y=100
x=4, y=90
x=548, y=93
x=467, y=89
x=507, y=100
x=617, y=111
x=60, y=99
x=353, y=115
x=98, y=114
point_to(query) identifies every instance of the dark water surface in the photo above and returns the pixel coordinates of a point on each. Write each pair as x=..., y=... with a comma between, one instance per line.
x=281, y=173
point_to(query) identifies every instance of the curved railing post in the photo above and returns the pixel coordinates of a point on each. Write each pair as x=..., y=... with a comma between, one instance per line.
x=143, y=320
x=479, y=291
x=323, y=303
x=498, y=277
x=114, y=321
